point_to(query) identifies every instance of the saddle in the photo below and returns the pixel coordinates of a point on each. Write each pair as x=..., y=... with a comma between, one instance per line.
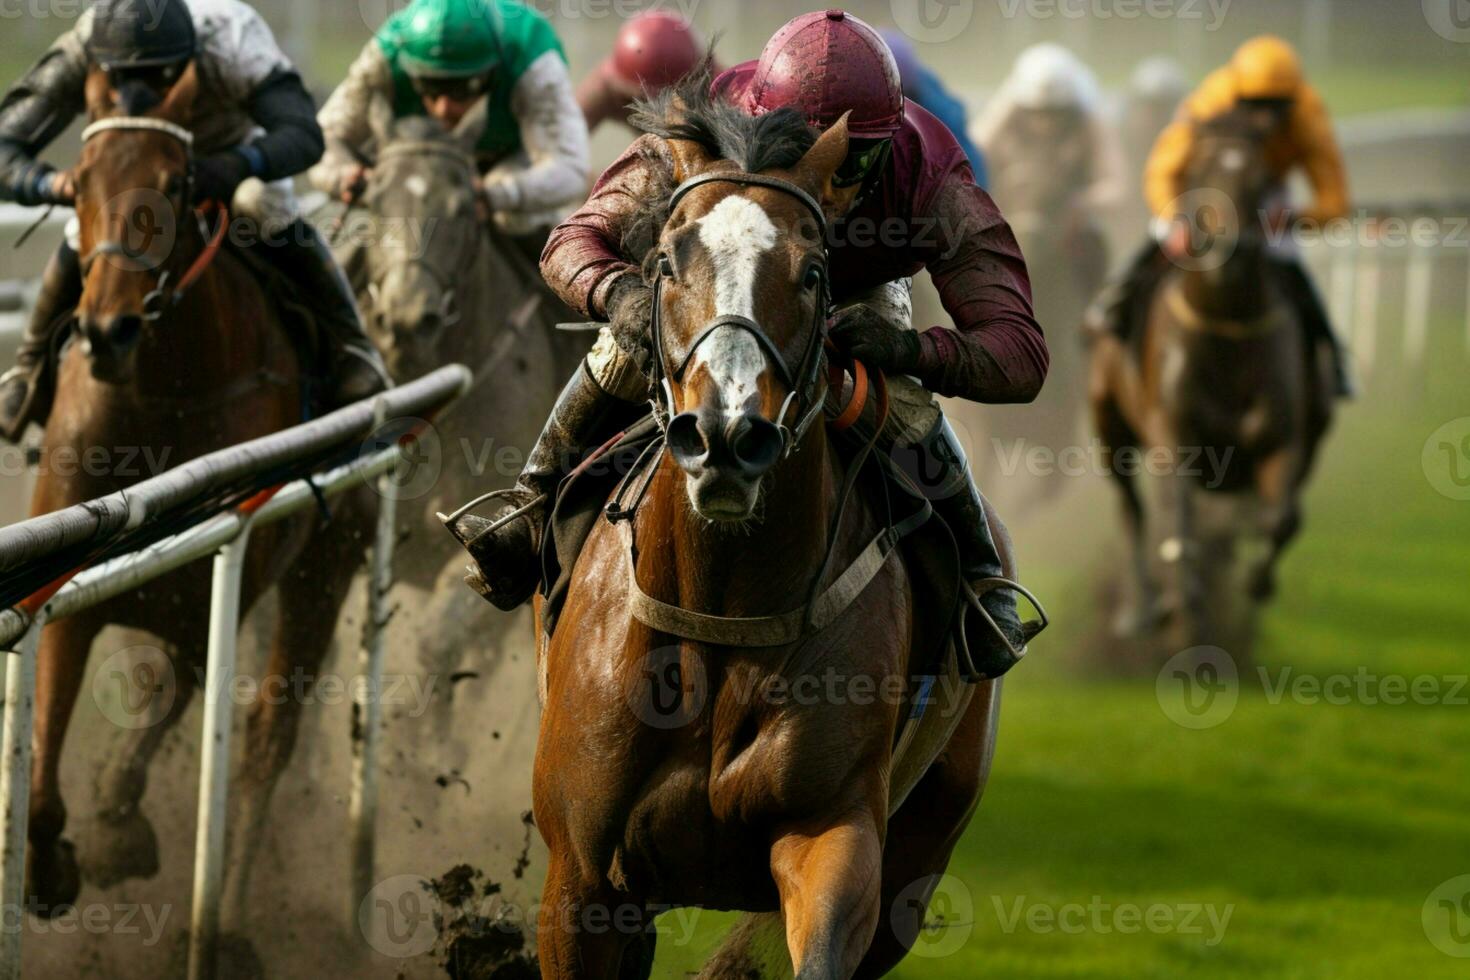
x=297, y=317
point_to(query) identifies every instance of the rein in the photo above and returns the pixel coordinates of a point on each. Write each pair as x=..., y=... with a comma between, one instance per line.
x=1192, y=319
x=162, y=297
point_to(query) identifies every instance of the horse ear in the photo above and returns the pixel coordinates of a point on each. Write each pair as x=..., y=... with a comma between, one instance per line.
x=99, y=93
x=472, y=126
x=381, y=120
x=690, y=159
x=817, y=168
x=178, y=104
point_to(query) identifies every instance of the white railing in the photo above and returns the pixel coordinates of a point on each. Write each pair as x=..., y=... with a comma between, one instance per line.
x=225, y=535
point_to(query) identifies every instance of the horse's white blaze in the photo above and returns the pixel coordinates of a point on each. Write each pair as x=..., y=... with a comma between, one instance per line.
x=737, y=233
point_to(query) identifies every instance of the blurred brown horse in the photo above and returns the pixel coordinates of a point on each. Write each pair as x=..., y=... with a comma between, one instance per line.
x=1222, y=382
x=175, y=374
x=673, y=771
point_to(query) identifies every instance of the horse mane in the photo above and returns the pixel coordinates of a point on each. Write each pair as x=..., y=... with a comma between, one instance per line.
x=691, y=110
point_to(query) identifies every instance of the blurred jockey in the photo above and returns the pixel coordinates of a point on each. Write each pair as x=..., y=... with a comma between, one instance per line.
x=653, y=51
x=1155, y=89
x=1265, y=75
x=903, y=201
x=923, y=86
x=1044, y=130
x=255, y=129
x=441, y=57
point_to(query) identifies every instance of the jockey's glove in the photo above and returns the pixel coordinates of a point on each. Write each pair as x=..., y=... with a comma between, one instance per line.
x=630, y=313
x=869, y=338
x=216, y=178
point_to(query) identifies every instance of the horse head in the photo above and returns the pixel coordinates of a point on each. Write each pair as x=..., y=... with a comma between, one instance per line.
x=740, y=272
x=133, y=203
x=426, y=236
x=1229, y=187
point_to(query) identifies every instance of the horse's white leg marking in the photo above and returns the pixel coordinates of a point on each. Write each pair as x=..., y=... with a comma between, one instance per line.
x=737, y=233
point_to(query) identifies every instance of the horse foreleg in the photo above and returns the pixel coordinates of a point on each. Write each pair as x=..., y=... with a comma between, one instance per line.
x=119, y=842
x=829, y=876
x=923, y=834
x=1114, y=435
x=1277, y=482
x=585, y=929
x=52, y=878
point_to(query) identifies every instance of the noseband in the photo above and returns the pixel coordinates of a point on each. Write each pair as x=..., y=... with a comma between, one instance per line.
x=803, y=380
x=161, y=297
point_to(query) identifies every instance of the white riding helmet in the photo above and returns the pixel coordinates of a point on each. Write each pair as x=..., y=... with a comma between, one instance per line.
x=1048, y=76
x=1158, y=79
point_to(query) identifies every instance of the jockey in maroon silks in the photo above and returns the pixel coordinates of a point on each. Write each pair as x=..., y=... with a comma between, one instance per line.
x=917, y=208
x=653, y=51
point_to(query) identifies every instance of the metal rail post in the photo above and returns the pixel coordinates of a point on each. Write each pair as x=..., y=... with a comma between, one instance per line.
x=214, y=762
x=367, y=705
x=15, y=790
x=1418, y=292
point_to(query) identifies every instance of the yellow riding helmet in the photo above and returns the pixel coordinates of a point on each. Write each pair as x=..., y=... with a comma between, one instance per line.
x=1267, y=68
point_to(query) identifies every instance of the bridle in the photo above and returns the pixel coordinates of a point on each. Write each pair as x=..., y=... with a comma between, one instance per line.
x=162, y=296
x=803, y=381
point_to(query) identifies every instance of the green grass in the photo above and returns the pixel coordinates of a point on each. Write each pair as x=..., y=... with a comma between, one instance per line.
x=1322, y=828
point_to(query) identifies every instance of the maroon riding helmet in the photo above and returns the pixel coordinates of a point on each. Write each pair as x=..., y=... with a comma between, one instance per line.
x=824, y=64
x=653, y=51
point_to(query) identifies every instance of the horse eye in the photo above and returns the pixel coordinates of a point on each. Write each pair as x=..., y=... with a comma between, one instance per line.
x=813, y=277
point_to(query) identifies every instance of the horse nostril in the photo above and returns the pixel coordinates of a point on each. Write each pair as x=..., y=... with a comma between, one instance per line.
x=124, y=331
x=686, y=442
x=431, y=324
x=755, y=442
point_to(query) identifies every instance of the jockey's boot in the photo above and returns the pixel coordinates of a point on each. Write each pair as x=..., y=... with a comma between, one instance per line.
x=507, y=549
x=26, y=389
x=997, y=645
x=1116, y=307
x=355, y=368
x=1307, y=300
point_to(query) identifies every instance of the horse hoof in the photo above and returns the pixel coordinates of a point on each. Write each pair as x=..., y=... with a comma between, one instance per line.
x=53, y=879
x=118, y=849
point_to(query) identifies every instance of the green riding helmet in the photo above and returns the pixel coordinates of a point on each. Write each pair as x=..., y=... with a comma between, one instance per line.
x=451, y=38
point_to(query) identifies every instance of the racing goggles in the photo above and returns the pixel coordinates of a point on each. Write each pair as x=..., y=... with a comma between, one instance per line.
x=864, y=158
x=466, y=88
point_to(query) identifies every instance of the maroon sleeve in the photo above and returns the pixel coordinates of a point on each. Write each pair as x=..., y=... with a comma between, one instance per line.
x=996, y=352
x=584, y=256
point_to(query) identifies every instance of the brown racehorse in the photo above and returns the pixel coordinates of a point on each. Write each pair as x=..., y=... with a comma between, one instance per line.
x=215, y=367
x=1222, y=383
x=741, y=775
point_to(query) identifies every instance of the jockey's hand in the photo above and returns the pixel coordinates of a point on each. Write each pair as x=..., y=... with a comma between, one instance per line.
x=63, y=189
x=869, y=338
x=217, y=178
x=630, y=312
x=353, y=182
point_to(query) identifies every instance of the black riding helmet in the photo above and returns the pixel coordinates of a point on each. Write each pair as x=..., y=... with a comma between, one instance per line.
x=134, y=34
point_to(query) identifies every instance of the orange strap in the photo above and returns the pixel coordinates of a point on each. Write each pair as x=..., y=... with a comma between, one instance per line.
x=210, y=250
x=854, y=408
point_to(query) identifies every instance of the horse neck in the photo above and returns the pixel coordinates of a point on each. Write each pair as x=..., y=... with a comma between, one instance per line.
x=1237, y=289
x=765, y=568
